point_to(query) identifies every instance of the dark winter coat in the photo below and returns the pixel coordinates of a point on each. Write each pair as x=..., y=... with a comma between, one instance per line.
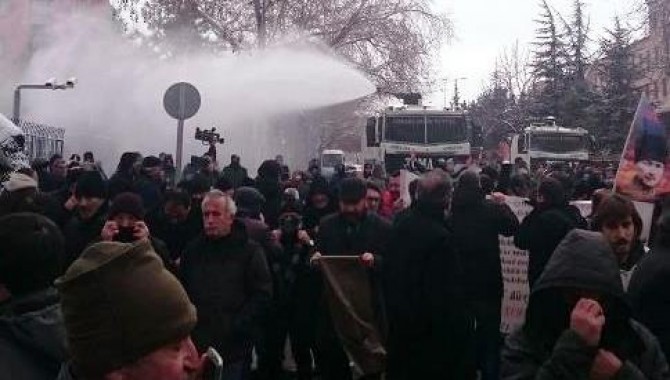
x=649, y=292
x=175, y=236
x=32, y=338
x=272, y=191
x=429, y=325
x=477, y=224
x=546, y=348
x=80, y=233
x=120, y=183
x=541, y=232
x=235, y=174
x=229, y=282
x=151, y=192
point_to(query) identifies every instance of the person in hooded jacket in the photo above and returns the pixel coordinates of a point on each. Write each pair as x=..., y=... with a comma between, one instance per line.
x=123, y=180
x=648, y=288
x=235, y=173
x=32, y=334
x=578, y=324
x=477, y=223
x=319, y=204
x=544, y=228
x=269, y=184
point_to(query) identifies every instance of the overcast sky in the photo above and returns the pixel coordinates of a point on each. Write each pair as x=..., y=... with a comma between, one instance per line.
x=483, y=28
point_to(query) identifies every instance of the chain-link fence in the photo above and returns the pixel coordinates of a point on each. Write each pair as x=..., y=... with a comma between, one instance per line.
x=42, y=141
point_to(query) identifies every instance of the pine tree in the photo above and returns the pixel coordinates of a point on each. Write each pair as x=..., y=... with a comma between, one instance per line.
x=549, y=64
x=618, y=96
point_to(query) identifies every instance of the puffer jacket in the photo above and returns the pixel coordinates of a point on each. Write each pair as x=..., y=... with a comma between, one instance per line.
x=546, y=348
x=32, y=337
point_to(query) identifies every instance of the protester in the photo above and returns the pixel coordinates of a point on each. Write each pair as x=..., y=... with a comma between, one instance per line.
x=21, y=195
x=320, y=203
x=352, y=232
x=578, y=324
x=373, y=198
x=618, y=220
x=174, y=225
x=151, y=183
x=544, y=228
x=125, y=224
x=235, y=173
x=54, y=179
x=139, y=329
x=32, y=335
x=477, y=224
x=227, y=278
x=295, y=297
x=90, y=195
x=269, y=184
x=224, y=185
x=392, y=202
x=123, y=180
x=596, y=199
x=430, y=332
x=648, y=289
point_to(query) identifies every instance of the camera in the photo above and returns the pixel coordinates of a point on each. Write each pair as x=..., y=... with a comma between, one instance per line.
x=208, y=136
x=51, y=82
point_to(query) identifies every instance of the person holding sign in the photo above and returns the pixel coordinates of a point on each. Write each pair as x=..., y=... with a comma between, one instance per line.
x=578, y=323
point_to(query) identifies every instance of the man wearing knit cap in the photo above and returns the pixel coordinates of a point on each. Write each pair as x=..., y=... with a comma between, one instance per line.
x=91, y=197
x=227, y=277
x=125, y=224
x=134, y=331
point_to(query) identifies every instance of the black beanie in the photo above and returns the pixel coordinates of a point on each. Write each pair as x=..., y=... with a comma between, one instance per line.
x=90, y=184
x=127, y=203
x=249, y=200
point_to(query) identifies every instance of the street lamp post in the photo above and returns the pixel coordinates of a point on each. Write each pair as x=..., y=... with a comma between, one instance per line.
x=51, y=84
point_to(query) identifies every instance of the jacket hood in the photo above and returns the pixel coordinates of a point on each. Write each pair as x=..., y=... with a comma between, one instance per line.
x=583, y=264
x=583, y=260
x=35, y=321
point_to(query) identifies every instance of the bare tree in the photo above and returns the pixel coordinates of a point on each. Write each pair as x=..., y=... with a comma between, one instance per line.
x=393, y=41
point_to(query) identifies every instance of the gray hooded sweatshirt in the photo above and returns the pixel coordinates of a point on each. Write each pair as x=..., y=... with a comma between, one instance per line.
x=545, y=347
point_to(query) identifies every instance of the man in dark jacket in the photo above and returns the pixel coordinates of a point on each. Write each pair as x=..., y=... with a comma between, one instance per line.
x=578, y=324
x=226, y=276
x=618, y=220
x=430, y=332
x=174, y=225
x=91, y=197
x=477, y=224
x=351, y=232
x=235, y=173
x=32, y=335
x=648, y=290
x=54, y=179
x=151, y=183
x=545, y=227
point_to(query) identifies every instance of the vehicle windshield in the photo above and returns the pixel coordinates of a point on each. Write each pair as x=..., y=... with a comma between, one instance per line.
x=558, y=143
x=331, y=160
x=440, y=129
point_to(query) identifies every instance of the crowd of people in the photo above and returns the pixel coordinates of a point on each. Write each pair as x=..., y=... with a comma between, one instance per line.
x=147, y=274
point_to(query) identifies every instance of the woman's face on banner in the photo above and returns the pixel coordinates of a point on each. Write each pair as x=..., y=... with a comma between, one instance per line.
x=650, y=172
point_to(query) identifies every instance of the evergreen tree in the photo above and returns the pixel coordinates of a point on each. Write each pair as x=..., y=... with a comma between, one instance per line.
x=549, y=64
x=618, y=96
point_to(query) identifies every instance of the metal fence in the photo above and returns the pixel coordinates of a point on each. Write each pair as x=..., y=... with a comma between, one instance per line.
x=42, y=141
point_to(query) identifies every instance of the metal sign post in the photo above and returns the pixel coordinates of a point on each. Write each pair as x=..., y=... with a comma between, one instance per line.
x=181, y=101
